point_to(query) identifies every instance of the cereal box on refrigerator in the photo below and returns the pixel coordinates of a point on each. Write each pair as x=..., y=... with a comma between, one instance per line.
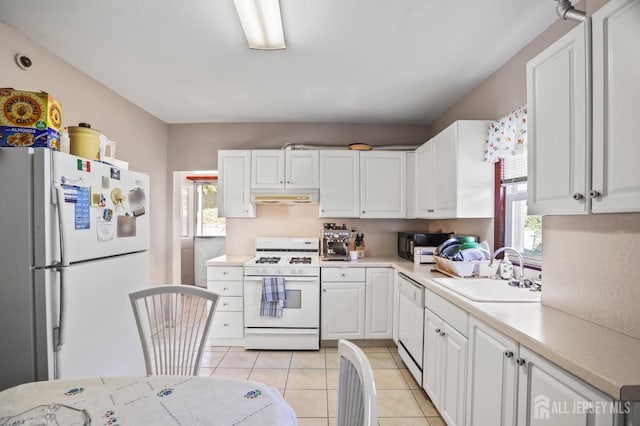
x=30, y=119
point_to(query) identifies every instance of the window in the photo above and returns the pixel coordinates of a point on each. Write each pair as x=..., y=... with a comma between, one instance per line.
x=208, y=223
x=521, y=230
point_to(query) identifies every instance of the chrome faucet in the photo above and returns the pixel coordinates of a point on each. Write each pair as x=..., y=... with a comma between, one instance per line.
x=520, y=279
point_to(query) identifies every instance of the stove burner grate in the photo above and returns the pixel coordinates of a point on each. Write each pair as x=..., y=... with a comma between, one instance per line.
x=270, y=260
x=300, y=260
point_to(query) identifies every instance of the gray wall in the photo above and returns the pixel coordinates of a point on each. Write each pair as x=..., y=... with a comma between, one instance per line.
x=141, y=138
x=590, y=263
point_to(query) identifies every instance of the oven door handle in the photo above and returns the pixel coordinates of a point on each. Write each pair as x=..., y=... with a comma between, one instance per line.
x=298, y=279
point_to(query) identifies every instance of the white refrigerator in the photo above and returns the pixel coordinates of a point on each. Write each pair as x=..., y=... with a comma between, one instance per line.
x=74, y=240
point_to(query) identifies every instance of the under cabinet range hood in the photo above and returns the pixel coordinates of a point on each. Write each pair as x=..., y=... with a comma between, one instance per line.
x=285, y=196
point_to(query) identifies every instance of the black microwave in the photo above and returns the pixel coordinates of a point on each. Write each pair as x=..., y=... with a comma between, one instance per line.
x=407, y=241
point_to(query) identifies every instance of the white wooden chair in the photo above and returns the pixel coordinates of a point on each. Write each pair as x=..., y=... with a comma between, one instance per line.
x=357, y=402
x=173, y=323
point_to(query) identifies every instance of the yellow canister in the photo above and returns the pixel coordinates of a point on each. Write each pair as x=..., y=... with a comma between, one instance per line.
x=85, y=141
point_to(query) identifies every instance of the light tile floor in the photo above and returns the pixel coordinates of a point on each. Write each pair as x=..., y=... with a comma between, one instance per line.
x=309, y=379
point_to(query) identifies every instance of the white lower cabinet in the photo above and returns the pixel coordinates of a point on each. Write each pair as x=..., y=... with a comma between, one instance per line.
x=445, y=368
x=227, y=328
x=395, y=309
x=378, y=301
x=549, y=396
x=491, y=379
x=509, y=384
x=356, y=303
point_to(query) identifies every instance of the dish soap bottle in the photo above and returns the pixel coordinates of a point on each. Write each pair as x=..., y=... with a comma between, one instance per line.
x=505, y=270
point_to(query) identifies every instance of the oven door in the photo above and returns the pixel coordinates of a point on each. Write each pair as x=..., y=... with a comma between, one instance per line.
x=301, y=310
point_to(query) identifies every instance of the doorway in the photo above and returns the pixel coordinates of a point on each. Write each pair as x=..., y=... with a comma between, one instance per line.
x=199, y=234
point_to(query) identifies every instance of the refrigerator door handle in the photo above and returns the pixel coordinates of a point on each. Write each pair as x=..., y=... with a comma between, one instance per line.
x=61, y=226
x=58, y=340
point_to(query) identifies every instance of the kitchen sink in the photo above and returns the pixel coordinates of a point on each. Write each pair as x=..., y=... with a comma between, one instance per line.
x=488, y=290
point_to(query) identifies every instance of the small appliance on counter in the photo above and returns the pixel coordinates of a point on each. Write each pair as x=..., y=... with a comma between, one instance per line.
x=335, y=242
x=412, y=243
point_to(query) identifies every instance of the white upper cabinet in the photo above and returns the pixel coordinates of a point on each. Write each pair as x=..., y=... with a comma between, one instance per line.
x=577, y=166
x=383, y=184
x=451, y=177
x=339, y=183
x=616, y=107
x=559, y=145
x=411, y=185
x=276, y=169
x=234, y=184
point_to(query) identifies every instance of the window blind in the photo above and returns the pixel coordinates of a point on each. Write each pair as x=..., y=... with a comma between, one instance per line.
x=514, y=168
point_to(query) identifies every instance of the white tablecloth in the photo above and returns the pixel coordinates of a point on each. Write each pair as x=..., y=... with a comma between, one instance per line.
x=157, y=400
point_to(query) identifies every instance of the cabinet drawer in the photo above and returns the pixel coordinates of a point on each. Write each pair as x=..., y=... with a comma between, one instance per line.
x=233, y=273
x=229, y=304
x=343, y=274
x=456, y=317
x=225, y=288
x=227, y=325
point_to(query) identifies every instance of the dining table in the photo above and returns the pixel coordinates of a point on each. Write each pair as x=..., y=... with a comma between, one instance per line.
x=145, y=400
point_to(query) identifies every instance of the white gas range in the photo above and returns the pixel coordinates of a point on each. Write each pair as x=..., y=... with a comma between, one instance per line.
x=296, y=260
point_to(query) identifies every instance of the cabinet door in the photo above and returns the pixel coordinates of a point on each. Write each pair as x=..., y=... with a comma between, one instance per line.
x=395, y=310
x=234, y=181
x=423, y=161
x=432, y=362
x=454, y=371
x=444, y=174
x=343, y=308
x=339, y=183
x=616, y=107
x=267, y=169
x=491, y=366
x=549, y=396
x=411, y=185
x=383, y=184
x=302, y=169
x=379, y=296
x=558, y=137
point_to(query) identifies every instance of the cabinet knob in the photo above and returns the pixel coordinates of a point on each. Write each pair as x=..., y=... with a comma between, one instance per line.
x=225, y=304
x=324, y=290
x=521, y=361
x=438, y=330
x=362, y=211
x=430, y=210
x=343, y=275
x=508, y=354
x=225, y=272
x=442, y=334
x=322, y=210
x=226, y=324
x=288, y=182
x=578, y=196
x=594, y=194
x=225, y=288
x=280, y=181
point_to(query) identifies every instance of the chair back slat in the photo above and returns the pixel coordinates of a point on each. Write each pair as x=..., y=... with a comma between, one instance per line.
x=173, y=323
x=357, y=404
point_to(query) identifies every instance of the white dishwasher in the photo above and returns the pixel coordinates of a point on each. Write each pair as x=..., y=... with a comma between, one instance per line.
x=411, y=324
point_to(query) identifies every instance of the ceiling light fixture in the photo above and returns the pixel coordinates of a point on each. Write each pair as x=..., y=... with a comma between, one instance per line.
x=262, y=23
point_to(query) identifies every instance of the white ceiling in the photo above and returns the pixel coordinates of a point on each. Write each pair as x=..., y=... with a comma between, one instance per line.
x=353, y=61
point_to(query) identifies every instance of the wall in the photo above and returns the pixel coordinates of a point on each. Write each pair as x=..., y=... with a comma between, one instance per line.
x=380, y=235
x=590, y=263
x=141, y=138
x=195, y=146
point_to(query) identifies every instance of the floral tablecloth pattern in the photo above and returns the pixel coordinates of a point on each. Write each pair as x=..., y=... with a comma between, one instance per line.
x=157, y=400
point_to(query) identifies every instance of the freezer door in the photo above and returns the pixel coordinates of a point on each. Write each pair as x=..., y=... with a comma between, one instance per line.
x=98, y=333
x=105, y=210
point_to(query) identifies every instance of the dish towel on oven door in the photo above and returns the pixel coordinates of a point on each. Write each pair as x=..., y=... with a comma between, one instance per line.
x=273, y=297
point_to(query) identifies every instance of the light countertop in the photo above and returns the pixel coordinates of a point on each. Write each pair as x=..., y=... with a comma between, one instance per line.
x=606, y=359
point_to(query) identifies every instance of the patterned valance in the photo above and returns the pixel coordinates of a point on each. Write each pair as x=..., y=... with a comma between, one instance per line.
x=507, y=136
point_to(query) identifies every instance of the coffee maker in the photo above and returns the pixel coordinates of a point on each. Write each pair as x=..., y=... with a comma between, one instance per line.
x=335, y=242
